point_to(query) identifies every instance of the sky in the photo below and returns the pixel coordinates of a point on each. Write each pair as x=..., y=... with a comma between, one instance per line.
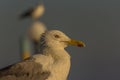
x=96, y=22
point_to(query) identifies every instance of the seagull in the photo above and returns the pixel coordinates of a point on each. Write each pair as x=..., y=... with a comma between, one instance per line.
x=34, y=12
x=51, y=63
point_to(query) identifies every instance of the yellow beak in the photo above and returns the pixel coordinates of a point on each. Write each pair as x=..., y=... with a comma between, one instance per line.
x=76, y=43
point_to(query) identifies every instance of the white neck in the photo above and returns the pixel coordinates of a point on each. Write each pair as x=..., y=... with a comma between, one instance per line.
x=59, y=61
x=61, y=64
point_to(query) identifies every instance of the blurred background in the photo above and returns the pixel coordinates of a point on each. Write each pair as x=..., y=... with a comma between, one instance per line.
x=96, y=22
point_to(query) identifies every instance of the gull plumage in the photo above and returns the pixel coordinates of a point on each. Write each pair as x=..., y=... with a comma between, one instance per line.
x=34, y=12
x=51, y=63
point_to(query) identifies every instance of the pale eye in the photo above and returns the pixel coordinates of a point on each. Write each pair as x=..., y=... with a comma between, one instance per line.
x=56, y=36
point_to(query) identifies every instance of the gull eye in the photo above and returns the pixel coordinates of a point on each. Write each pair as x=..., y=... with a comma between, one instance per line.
x=56, y=36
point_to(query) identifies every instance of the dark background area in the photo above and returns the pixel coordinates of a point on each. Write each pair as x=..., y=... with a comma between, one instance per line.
x=96, y=22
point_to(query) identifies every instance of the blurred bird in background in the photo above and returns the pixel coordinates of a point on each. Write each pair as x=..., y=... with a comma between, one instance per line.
x=35, y=30
x=35, y=12
x=34, y=33
x=33, y=36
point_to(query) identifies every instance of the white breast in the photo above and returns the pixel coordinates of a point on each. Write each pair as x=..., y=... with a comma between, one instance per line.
x=58, y=67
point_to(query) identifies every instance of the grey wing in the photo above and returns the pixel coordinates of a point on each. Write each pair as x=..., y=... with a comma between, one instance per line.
x=25, y=70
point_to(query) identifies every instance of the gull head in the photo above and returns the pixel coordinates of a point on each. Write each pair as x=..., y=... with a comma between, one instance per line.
x=57, y=39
